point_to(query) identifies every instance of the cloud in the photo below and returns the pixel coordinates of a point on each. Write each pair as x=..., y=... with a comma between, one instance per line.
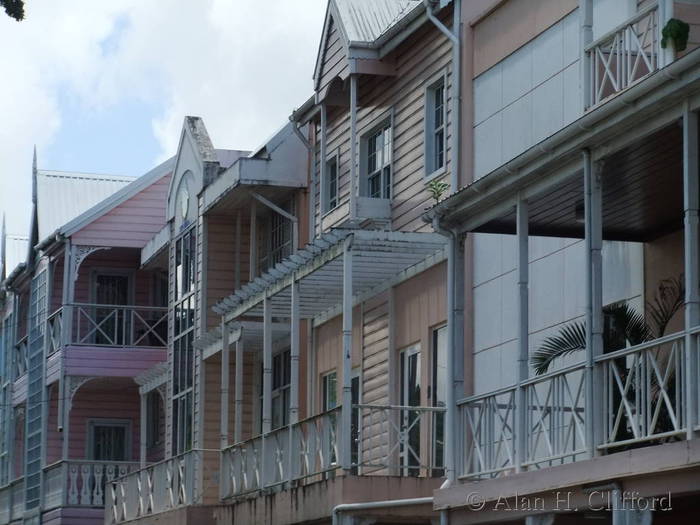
x=241, y=65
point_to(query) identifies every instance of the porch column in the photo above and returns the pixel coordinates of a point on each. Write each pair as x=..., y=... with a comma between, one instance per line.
x=143, y=425
x=322, y=163
x=237, y=269
x=594, y=412
x=253, y=240
x=267, y=386
x=346, y=410
x=238, y=394
x=294, y=373
x=353, y=147
x=586, y=10
x=691, y=203
x=455, y=354
x=665, y=14
x=520, y=442
x=65, y=393
x=225, y=382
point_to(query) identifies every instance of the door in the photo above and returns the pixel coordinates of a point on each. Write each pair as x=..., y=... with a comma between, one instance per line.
x=409, y=382
x=108, y=441
x=111, y=324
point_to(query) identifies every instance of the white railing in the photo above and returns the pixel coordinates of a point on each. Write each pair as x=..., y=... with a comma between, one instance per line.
x=20, y=358
x=555, y=417
x=623, y=56
x=175, y=482
x=399, y=440
x=12, y=502
x=489, y=424
x=265, y=461
x=122, y=326
x=54, y=330
x=644, y=392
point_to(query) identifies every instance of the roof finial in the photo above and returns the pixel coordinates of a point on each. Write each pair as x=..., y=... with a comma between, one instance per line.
x=3, y=235
x=34, y=174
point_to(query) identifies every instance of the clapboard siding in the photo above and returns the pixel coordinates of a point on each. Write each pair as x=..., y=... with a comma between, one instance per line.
x=111, y=362
x=375, y=351
x=221, y=262
x=334, y=63
x=131, y=224
x=419, y=61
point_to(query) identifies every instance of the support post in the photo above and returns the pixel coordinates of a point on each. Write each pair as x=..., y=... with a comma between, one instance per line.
x=691, y=204
x=267, y=386
x=586, y=10
x=521, y=410
x=67, y=401
x=225, y=381
x=455, y=354
x=666, y=56
x=323, y=189
x=346, y=410
x=353, y=147
x=253, y=240
x=143, y=426
x=238, y=425
x=237, y=270
x=294, y=372
x=593, y=206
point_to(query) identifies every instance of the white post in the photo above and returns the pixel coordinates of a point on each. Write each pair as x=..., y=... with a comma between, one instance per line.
x=294, y=372
x=353, y=146
x=323, y=189
x=237, y=269
x=238, y=426
x=253, y=240
x=594, y=412
x=665, y=13
x=691, y=204
x=521, y=412
x=346, y=410
x=65, y=394
x=586, y=10
x=143, y=426
x=225, y=380
x=267, y=386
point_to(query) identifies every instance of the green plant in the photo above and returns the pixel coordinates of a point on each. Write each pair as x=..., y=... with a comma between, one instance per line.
x=437, y=188
x=677, y=31
x=624, y=325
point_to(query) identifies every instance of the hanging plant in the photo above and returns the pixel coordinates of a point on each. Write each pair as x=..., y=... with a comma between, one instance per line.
x=677, y=32
x=437, y=188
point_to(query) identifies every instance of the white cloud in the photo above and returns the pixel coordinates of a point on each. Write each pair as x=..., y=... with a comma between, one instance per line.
x=241, y=65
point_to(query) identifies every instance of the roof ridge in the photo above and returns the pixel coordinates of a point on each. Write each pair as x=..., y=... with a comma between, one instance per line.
x=83, y=175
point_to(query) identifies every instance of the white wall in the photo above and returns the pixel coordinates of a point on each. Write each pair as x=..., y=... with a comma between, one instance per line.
x=557, y=296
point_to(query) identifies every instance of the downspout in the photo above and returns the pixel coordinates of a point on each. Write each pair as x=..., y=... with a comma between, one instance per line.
x=311, y=176
x=387, y=504
x=454, y=37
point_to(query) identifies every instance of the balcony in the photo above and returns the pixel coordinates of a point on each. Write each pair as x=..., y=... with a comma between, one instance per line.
x=623, y=56
x=643, y=400
x=188, y=479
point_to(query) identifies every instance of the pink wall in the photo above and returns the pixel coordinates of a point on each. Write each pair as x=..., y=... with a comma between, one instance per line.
x=131, y=224
x=111, y=362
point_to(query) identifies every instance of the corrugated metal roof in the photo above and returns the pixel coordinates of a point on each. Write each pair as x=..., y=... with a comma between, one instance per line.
x=367, y=20
x=16, y=247
x=62, y=196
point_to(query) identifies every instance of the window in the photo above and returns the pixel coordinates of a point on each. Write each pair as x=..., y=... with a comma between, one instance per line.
x=109, y=440
x=277, y=242
x=377, y=163
x=153, y=420
x=435, y=127
x=183, y=334
x=439, y=395
x=331, y=185
x=281, y=380
x=330, y=391
x=410, y=396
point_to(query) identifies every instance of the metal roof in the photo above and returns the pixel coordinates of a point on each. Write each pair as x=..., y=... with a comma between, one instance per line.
x=63, y=196
x=379, y=259
x=250, y=333
x=365, y=21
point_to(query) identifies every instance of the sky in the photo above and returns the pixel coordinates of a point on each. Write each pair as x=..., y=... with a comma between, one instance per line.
x=103, y=86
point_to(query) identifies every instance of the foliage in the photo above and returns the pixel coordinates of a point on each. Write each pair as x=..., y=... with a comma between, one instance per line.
x=627, y=326
x=437, y=188
x=677, y=31
x=13, y=8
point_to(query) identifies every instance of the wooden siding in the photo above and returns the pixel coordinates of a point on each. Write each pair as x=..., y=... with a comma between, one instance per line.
x=131, y=224
x=334, y=62
x=375, y=351
x=419, y=62
x=74, y=516
x=111, y=362
x=690, y=13
x=221, y=262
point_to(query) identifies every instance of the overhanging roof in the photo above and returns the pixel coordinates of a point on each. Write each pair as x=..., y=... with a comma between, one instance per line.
x=379, y=258
x=249, y=333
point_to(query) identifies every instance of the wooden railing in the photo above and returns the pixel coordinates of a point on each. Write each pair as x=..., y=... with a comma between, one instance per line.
x=20, y=357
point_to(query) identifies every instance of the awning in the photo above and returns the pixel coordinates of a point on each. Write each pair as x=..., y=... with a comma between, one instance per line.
x=249, y=333
x=380, y=259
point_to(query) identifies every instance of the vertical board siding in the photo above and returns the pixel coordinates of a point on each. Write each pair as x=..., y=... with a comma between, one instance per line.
x=131, y=224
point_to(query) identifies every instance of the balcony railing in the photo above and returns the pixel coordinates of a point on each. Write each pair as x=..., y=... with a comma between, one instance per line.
x=173, y=483
x=54, y=330
x=81, y=483
x=623, y=56
x=264, y=462
x=20, y=357
x=121, y=326
x=643, y=400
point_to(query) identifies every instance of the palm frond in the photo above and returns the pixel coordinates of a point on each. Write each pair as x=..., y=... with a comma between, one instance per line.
x=668, y=299
x=570, y=338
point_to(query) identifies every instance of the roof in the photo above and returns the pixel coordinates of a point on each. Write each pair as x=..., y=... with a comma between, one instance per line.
x=63, y=196
x=227, y=157
x=365, y=21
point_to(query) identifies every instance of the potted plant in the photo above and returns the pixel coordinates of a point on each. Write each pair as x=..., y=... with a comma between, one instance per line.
x=676, y=31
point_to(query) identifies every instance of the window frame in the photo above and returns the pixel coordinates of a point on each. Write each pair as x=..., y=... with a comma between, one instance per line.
x=430, y=169
x=386, y=120
x=325, y=379
x=326, y=206
x=126, y=424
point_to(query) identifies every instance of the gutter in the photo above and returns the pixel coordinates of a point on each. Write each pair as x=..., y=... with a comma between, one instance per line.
x=586, y=122
x=386, y=504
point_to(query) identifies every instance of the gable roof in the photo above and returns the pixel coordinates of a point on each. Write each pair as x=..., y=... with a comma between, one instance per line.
x=63, y=196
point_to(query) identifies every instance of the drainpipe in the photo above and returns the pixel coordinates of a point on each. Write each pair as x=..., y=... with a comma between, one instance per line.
x=311, y=177
x=353, y=148
x=387, y=504
x=454, y=37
